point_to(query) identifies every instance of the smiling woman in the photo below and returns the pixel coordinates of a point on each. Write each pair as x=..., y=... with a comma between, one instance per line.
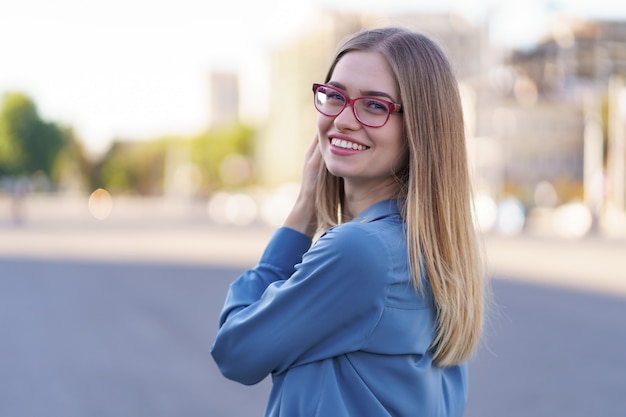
x=379, y=315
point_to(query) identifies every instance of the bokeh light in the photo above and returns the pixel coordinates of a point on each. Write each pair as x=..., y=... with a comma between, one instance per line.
x=545, y=194
x=572, y=220
x=235, y=170
x=276, y=207
x=100, y=204
x=486, y=212
x=511, y=217
x=236, y=209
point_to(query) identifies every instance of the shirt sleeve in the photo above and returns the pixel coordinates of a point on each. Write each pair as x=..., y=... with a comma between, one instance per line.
x=328, y=305
x=277, y=263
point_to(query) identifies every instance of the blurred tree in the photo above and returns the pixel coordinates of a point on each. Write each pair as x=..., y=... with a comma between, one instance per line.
x=211, y=149
x=132, y=167
x=72, y=169
x=28, y=144
x=142, y=167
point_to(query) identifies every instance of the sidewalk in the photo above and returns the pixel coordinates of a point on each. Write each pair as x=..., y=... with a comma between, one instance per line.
x=164, y=233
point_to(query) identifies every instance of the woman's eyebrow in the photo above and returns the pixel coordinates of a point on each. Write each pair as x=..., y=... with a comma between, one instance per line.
x=369, y=93
x=377, y=94
x=336, y=84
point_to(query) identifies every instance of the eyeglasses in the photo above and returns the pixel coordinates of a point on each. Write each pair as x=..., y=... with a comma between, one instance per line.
x=369, y=111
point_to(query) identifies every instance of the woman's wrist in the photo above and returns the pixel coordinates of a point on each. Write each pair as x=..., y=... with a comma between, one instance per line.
x=302, y=218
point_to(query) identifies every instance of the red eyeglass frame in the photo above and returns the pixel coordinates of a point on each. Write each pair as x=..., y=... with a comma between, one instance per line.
x=393, y=107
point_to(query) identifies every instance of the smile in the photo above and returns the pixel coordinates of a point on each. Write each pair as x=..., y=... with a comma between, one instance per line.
x=345, y=144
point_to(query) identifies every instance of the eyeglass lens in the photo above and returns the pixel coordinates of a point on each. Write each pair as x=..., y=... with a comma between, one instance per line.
x=369, y=111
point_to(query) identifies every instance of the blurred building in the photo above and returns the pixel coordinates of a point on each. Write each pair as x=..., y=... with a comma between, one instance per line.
x=223, y=98
x=576, y=52
x=294, y=67
x=554, y=92
x=533, y=116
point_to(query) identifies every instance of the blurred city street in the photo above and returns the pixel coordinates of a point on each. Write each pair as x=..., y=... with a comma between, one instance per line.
x=135, y=187
x=116, y=318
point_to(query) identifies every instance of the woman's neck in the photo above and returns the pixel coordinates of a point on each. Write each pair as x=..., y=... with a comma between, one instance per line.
x=359, y=196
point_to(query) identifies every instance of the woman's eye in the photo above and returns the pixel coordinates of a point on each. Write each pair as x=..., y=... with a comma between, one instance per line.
x=332, y=95
x=377, y=106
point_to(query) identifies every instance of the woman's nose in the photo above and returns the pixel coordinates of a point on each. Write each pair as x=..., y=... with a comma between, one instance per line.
x=347, y=119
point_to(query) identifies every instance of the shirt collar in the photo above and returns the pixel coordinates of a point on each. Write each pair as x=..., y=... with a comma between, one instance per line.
x=381, y=209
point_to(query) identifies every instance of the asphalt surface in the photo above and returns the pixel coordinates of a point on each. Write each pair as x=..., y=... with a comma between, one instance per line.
x=114, y=339
x=116, y=318
x=102, y=338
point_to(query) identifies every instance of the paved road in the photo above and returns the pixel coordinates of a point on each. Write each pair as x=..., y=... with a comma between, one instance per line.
x=551, y=352
x=131, y=338
x=114, y=339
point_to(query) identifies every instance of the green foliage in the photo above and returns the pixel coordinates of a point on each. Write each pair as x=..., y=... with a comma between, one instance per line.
x=212, y=148
x=142, y=167
x=28, y=144
x=133, y=167
x=72, y=169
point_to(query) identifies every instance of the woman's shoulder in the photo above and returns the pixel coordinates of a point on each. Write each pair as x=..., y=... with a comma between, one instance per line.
x=363, y=237
x=354, y=253
x=353, y=232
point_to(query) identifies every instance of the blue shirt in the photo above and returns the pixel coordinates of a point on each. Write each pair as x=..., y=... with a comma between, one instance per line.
x=339, y=326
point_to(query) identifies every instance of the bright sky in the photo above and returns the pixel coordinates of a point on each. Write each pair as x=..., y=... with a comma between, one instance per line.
x=139, y=68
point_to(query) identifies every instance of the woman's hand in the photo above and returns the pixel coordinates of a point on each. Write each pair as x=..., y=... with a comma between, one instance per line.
x=303, y=216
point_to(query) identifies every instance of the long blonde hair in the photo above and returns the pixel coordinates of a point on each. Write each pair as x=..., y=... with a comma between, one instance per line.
x=435, y=189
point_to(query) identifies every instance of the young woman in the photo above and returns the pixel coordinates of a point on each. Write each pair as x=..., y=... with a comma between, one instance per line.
x=380, y=314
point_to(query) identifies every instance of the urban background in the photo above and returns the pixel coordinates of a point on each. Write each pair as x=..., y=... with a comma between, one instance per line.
x=546, y=132
x=115, y=259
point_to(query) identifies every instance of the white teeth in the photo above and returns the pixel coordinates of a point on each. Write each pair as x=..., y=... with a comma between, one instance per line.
x=340, y=143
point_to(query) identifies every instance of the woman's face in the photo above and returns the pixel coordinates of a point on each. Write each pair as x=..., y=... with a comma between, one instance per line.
x=365, y=157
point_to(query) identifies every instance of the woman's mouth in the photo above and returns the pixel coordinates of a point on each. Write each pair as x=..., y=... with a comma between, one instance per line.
x=346, y=144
